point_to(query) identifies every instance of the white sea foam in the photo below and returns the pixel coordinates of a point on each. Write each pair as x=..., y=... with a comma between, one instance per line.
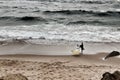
x=62, y=32
x=103, y=59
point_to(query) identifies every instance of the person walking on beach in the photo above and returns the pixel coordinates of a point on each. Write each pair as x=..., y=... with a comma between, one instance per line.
x=79, y=50
x=81, y=47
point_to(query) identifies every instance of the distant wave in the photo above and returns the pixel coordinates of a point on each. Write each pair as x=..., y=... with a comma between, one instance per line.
x=25, y=18
x=87, y=22
x=82, y=12
x=76, y=1
x=95, y=22
x=67, y=12
x=93, y=2
x=96, y=2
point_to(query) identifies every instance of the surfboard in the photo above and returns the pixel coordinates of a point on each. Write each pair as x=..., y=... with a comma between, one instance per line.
x=75, y=52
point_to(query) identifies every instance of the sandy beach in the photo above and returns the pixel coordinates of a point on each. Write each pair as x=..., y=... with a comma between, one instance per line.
x=39, y=37
x=87, y=67
x=47, y=62
x=54, y=67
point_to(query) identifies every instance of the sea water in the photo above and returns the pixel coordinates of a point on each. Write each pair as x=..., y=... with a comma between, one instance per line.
x=60, y=20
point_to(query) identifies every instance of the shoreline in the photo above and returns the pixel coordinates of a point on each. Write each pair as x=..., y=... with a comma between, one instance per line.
x=19, y=47
x=31, y=57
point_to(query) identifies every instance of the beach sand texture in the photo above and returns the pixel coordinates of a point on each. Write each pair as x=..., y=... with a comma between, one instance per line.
x=34, y=67
x=28, y=60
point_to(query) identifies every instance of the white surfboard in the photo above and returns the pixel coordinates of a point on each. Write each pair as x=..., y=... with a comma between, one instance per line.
x=76, y=52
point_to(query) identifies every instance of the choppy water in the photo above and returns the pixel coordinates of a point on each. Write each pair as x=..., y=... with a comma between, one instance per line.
x=62, y=20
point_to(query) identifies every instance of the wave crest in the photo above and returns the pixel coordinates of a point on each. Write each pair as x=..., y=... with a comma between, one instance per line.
x=24, y=18
x=97, y=1
x=87, y=22
x=82, y=12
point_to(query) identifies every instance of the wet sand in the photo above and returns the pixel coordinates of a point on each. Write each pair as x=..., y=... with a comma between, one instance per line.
x=29, y=60
x=21, y=47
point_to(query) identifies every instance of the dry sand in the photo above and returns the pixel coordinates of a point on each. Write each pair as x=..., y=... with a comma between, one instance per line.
x=87, y=67
x=38, y=67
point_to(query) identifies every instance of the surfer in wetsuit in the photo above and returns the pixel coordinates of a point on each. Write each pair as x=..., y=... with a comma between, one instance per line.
x=81, y=47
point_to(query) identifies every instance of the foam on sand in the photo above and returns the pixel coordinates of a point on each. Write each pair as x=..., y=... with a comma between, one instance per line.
x=103, y=59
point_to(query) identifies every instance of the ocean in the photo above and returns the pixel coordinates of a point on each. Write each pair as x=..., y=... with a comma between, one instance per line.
x=44, y=21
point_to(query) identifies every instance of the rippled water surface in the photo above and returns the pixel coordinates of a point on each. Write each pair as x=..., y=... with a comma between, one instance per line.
x=62, y=20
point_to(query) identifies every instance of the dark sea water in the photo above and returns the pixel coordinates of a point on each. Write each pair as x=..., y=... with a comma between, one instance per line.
x=60, y=20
